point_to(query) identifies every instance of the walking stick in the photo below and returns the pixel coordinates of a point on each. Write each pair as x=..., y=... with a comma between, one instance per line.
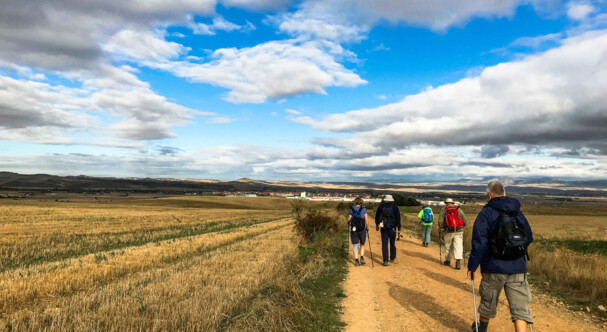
x=474, y=302
x=349, y=239
x=415, y=229
x=440, y=249
x=370, y=251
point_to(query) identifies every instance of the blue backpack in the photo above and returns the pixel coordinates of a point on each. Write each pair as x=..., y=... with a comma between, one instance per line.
x=428, y=216
x=358, y=220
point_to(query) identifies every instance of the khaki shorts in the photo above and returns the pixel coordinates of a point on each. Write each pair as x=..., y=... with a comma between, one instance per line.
x=517, y=292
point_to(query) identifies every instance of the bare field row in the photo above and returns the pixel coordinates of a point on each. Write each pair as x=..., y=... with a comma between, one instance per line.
x=48, y=231
x=19, y=287
x=181, y=285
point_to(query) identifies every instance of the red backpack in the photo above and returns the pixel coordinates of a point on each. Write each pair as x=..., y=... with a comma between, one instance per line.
x=452, y=219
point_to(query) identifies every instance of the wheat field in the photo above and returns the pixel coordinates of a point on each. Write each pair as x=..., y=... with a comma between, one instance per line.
x=151, y=264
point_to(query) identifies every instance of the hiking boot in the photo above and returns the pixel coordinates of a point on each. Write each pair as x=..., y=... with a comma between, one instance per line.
x=457, y=265
x=392, y=261
x=385, y=263
x=482, y=326
x=357, y=263
x=447, y=263
x=362, y=261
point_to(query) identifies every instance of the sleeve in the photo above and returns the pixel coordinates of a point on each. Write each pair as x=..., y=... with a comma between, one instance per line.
x=396, y=211
x=350, y=211
x=420, y=214
x=441, y=219
x=480, y=239
x=377, y=214
x=463, y=215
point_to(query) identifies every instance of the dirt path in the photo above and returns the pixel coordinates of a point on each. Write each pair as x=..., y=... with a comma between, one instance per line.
x=416, y=293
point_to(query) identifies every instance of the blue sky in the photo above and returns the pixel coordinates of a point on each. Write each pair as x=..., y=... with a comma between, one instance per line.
x=345, y=90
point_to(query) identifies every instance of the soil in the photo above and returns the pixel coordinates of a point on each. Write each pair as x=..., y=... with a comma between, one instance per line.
x=416, y=293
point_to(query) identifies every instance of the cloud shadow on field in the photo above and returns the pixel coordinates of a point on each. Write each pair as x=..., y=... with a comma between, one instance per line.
x=443, y=279
x=418, y=301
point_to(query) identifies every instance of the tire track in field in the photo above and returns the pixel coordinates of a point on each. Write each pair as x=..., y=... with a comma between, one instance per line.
x=133, y=238
x=22, y=287
x=115, y=307
x=416, y=293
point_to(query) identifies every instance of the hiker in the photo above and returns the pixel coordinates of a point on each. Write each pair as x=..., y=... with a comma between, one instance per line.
x=426, y=218
x=451, y=223
x=387, y=220
x=500, y=237
x=359, y=224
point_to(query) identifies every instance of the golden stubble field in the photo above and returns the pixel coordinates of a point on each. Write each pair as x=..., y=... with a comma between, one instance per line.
x=139, y=264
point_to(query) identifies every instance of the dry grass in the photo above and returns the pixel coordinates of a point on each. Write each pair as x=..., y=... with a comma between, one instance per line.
x=190, y=295
x=576, y=277
x=180, y=264
x=48, y=231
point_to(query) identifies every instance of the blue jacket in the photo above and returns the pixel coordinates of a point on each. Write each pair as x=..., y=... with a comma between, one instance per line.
x=395, y=212
x=484, y=224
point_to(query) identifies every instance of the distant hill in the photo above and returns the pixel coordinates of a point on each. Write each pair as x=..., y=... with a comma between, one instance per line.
x=83, y=183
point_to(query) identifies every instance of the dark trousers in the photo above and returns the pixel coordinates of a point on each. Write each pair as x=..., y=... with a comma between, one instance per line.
x=388, y=235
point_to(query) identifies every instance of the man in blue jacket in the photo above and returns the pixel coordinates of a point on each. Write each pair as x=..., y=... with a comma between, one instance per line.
x=387, y=218
x=497, y=272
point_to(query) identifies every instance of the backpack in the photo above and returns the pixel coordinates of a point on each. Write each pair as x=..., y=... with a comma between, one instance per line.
x=509, y=239
x=428, y=216
x=452, y=218
x=387, y=217
x=358, y=222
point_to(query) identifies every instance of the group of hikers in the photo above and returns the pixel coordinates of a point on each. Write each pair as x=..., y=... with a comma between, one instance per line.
x=500, y=237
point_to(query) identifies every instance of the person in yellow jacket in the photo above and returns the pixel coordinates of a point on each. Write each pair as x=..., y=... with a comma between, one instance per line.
x=426, y=217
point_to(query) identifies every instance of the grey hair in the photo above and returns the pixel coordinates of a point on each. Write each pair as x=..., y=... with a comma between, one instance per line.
x=496, y=188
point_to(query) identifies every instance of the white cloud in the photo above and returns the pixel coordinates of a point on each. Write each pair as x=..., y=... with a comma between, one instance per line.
x=30, y=109
x=380, y=47
x=292, y=111
x=230, y=162
x=143, y=46
x=552, y=99
x=350, y=20
x=578, y=11
x=219, y=23
x=66, y=34
x=26, y=104
x=221, y=119
x=537, y=41
x=437, y=15
x=269, y=70
x=258, y=5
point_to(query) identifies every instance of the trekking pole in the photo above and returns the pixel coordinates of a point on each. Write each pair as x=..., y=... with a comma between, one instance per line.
x=370, y=251
x=440, y=249
x=474, y=302
x=415, y=229
x=349, y=239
